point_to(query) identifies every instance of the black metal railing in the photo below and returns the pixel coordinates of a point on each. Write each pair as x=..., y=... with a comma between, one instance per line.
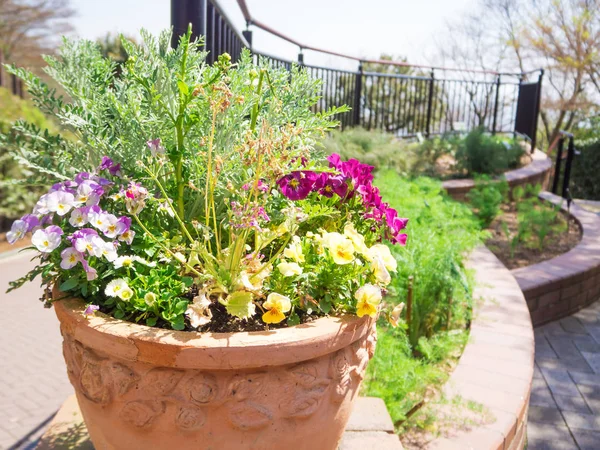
x=208, y=20
x=564, y=174
x=396, y=97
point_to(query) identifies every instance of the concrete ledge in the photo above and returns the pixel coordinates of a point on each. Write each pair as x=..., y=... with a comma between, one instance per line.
x=496, y=368
x=537, y=171
x=370, y=428
x=563, y=285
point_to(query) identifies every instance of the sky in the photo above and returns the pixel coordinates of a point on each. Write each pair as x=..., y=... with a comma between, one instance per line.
x=363, y=28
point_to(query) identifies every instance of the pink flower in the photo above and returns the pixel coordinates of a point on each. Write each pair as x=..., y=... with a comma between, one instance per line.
x=135, y=198
x=328, y=184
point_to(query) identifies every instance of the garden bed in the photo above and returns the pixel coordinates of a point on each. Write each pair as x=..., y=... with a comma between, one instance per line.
x=558, y=242
x=563, y=285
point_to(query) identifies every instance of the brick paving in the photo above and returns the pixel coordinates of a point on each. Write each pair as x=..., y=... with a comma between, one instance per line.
x=564, y=411
x=33, y=377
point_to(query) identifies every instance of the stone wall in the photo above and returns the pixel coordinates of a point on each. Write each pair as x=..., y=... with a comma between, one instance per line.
x=536, y=172
x=563, y=285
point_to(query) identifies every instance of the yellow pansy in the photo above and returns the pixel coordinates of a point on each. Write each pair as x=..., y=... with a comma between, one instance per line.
x=288, y=269
x=394, y=317
x=294, y=250
x=381, y=274
x=358, y=240
x=384, y=253
x=367, y=298
x=276, y=305
x=340, y=247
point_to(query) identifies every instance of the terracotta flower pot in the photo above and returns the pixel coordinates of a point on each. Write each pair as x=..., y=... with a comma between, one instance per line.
x=147, y=388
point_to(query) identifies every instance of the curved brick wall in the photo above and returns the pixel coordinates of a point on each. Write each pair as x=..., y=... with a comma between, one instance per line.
x=565, y=284
x=537, y=171
x=496, y=367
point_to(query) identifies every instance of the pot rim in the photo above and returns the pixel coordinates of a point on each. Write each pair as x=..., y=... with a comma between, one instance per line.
x=189, y=349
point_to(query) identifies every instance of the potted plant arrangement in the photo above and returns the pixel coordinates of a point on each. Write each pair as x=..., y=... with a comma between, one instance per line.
x=216, y=278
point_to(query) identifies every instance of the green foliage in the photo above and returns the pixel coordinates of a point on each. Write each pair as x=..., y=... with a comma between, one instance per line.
x=16, y=196
x=486, y=197
x=475, y=153
x=441, y=231
x=376, y=148
x=537, y=218
x=401, y=379
x=585, y=172
x=481, y=153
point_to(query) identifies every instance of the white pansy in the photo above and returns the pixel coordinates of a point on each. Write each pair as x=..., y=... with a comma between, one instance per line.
x=45, y=241
x=109, y=251
x=198, y=312
x=60, y=202
x=90, y=243
x=70, y=258
x=79, y=217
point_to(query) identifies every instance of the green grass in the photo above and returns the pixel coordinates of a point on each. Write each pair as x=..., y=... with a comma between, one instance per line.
x=411, y=360
x=403, y=380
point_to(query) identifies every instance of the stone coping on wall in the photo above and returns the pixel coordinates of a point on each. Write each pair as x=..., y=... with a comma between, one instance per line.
x=537, y=171
x=496, y=368
x=563, y=285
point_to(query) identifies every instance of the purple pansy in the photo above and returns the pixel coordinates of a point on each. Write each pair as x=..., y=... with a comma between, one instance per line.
x=90, y=309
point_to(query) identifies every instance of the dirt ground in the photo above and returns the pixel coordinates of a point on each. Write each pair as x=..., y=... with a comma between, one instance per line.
x=525, y=254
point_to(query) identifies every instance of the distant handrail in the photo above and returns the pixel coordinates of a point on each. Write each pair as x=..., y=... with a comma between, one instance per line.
x=252, y=21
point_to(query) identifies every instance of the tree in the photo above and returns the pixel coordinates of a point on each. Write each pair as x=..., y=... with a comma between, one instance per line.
x=29, y=28
x=519, y=35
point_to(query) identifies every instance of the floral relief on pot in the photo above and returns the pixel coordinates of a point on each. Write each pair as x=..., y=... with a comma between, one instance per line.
x=251, y=400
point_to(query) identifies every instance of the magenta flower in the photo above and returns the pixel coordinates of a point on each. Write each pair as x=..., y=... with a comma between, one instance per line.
x=328, y=184
x=297, y=185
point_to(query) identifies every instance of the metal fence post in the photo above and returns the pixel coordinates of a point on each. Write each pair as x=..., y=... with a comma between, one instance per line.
x=184, y=12
x=537, y=110
x=559, y=153
x=357, y=94
x=300, y=57
x=496, y=103
x=570, y=154
x=430, y=104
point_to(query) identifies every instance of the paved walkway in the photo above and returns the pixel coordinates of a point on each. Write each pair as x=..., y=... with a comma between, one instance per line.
x=564, y=410
x=33, y=378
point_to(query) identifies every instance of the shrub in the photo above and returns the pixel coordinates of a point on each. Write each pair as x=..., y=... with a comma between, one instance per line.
x=376, y=148
x=585, y=178
x=486, y=198
x=481, y=153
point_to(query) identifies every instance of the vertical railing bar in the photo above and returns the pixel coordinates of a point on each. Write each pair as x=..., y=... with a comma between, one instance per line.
x=559, y=153
x=566, y=194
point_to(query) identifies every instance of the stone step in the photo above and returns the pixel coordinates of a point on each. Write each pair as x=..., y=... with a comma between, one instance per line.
x=370, y=428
